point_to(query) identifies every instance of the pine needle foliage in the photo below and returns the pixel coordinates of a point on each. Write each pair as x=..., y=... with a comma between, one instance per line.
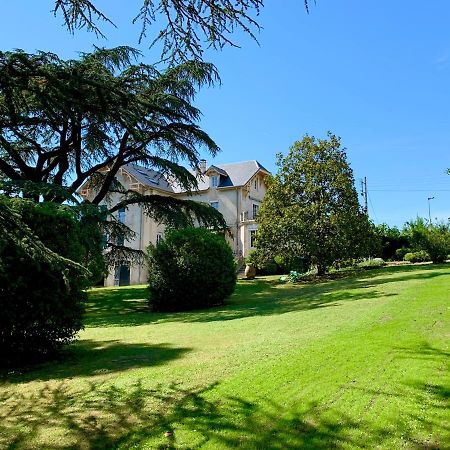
x=64, y=122
x=186, y=26
x=42, y=279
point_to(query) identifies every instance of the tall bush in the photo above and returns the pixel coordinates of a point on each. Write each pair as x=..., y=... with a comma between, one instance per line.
x=192, y=268
x=41, y=301
x=432, y=238
x=390, y=239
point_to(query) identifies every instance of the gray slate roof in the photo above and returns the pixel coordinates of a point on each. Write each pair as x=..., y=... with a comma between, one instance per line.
x=231, y=175
x=149, y=177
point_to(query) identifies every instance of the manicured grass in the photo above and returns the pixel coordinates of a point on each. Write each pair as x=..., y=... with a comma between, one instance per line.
x=360, y=362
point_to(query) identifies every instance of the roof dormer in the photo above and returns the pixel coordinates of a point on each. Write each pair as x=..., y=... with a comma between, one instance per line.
x=216, y=176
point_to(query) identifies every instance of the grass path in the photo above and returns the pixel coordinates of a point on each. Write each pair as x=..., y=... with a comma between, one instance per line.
x=352, y=363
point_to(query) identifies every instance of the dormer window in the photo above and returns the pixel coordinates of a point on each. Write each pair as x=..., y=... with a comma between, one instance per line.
x=214, y=181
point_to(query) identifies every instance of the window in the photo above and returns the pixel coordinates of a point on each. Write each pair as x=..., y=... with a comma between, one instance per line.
x=215, y=205
x=255, y=211
x=256, y=184
x=214, y=181
x=252, y=238
x=121, y=217
x=159, y=238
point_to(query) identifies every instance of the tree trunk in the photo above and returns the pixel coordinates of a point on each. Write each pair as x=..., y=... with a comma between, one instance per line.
x=321, y=269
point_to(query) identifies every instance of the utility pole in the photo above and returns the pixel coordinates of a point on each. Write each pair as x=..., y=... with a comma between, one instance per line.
x=364, y=194
x=429, y=209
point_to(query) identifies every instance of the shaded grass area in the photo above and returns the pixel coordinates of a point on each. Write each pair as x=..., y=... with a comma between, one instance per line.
x=351, y=363
x=263, y=296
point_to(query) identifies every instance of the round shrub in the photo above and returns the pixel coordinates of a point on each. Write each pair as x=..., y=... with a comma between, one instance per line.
x=414, y=257
x=41, y=303
x=192, y=268
x=401, y=252
x=438, y=243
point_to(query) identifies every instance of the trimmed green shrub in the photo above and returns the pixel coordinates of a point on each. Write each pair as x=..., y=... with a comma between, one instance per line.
x=192, y=268
x=401, y=252
x=41, y=303
x=414, y=257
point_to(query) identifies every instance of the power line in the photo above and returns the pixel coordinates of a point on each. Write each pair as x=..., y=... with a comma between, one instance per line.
x=373, y=209
x=410, y=190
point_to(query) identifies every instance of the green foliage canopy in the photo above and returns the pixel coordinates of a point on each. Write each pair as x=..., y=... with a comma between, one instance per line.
x=64, y=123
x=41, y=280
x=192, y=268
x=434, y=239
x=311, y=208
x=389, y=240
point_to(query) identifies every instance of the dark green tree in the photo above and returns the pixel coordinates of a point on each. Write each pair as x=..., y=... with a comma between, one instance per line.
x=186, y=25
x=311, y=208
x=431, y=238
x=390, y=240
x=42, y=279
x=65, y=122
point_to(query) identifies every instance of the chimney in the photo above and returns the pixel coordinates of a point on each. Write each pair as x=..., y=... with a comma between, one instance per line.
x=202, y=166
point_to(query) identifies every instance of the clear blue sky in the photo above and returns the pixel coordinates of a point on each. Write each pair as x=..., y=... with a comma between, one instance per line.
x=375, y=72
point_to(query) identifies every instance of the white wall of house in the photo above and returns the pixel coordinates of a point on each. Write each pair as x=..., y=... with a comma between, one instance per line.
x=237, y=205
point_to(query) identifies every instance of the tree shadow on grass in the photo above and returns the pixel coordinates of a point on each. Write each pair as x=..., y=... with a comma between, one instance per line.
x=89, y=358
x=117, y=306
x=170, y=417
x=259, y=297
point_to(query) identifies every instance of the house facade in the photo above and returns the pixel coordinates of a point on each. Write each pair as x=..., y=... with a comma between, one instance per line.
x=235, y=189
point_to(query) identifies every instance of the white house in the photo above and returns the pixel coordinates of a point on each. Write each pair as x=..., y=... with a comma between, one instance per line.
x=235, y=189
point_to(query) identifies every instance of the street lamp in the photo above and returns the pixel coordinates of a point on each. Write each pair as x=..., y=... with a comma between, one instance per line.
x=429, y=209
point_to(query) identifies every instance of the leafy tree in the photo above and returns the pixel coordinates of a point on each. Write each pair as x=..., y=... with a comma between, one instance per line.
x=192, y=268
x=433, y=239
x=416, y=232
x=391, y=239
x=186, y=25
x=63, y=123
x=311, y=207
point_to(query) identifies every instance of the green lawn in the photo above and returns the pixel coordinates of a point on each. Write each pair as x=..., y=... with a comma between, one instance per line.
x=351, y=363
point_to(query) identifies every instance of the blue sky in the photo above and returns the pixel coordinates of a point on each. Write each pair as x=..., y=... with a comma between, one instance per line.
x=375, y=72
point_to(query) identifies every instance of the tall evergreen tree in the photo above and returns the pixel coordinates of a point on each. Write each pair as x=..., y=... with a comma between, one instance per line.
x=65, y=122
x=186, y=26
x=311, y=208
